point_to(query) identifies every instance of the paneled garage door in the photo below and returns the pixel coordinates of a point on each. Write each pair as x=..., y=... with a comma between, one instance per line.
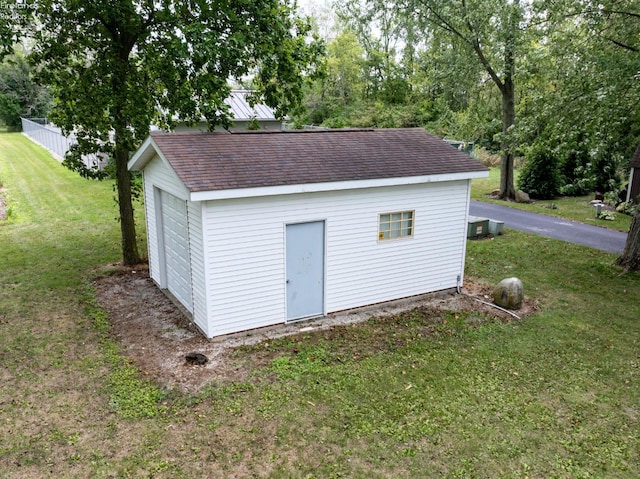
x=176, y=248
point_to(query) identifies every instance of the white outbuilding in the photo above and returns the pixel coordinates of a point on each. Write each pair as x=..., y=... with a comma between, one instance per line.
x=252, y=229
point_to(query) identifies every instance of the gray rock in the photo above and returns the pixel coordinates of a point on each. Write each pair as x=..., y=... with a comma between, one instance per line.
x=522, y=197
x=509, y=293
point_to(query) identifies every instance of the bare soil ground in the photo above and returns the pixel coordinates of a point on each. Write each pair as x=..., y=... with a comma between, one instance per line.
x=157, y=336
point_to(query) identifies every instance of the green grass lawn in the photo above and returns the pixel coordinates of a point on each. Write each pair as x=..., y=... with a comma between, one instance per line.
x=422, y=394
x=572, y=208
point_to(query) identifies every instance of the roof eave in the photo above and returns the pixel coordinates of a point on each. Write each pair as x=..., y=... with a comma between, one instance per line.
x=331, y=186
x=143, y=155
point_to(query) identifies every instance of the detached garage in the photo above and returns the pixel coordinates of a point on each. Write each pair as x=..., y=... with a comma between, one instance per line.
x=252, y=229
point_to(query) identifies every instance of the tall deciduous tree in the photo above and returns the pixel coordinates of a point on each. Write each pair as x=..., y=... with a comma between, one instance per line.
x=344, y=74
x=491, y=31
x=386, y=35
x=117, y=67
x=630, y=258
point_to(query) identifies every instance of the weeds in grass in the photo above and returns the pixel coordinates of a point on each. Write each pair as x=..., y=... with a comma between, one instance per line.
x=422, y=394
x=130, y=396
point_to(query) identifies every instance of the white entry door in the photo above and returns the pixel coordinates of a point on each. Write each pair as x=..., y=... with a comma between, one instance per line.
x=176, y=248
x=305, y=270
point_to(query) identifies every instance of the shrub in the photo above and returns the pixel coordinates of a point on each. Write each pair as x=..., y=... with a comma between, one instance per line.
x=540, y=177
x=628, y=208
x=485, y=157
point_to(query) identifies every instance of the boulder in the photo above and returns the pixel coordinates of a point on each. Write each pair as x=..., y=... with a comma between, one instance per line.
x=522, y=197
x=509, y=293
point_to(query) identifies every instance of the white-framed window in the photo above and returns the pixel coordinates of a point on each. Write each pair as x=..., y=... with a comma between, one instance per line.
x=398, y=224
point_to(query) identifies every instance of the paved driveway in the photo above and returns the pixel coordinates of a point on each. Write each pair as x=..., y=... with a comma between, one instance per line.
x=571, y=231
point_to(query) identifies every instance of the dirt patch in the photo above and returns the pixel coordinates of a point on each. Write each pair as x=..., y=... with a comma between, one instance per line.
x=157, y=336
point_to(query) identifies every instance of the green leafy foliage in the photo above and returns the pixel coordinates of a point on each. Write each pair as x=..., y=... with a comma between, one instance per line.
x=628, y=208
x=20, y=96
x=540, y=177
x=573, y=66
x=117, y=68
x=583, y=96
x=132, y=397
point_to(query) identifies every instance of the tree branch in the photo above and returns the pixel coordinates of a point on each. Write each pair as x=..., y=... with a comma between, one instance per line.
x=622, y=45
x=473, y=42
x=622, y=12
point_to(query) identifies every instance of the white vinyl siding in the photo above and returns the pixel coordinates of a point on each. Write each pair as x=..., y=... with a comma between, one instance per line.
x=244, y=244
x=237, y=247
x=198, y=261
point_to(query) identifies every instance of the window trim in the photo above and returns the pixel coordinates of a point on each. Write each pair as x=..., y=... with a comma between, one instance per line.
x=400, y=229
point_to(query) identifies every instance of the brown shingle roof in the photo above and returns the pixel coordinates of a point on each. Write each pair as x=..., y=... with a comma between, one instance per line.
x=221, y=161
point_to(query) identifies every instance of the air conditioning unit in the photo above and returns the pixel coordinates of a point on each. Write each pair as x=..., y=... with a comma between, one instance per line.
x=495, y=227
x=477, y=227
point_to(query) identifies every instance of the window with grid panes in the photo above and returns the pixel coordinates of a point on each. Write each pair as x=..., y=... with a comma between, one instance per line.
x=395, y=225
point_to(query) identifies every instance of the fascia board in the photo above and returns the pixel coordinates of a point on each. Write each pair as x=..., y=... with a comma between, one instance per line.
x=145, y=153
x=331, y=186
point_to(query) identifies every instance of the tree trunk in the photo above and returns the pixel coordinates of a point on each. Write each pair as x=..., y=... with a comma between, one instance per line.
x=507, y=188
x=507, y=89
x=630, y=259
x=130, y=254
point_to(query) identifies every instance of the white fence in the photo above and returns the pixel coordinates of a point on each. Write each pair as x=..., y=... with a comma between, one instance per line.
x=48, y=135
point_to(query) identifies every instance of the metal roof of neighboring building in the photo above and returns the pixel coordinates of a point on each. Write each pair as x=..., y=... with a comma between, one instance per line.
x=242, y=110
x=259, y=159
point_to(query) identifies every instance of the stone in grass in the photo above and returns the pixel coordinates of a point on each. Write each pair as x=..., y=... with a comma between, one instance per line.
x=196, y=358
x=509, y=293
x=522, y=197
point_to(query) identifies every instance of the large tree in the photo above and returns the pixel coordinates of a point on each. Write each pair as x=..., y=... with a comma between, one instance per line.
x=630, y=257
x=386, y=34
x=491, y=32
x=117, y=67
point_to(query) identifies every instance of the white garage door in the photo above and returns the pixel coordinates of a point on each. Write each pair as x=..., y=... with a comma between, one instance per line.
x=176, y=248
